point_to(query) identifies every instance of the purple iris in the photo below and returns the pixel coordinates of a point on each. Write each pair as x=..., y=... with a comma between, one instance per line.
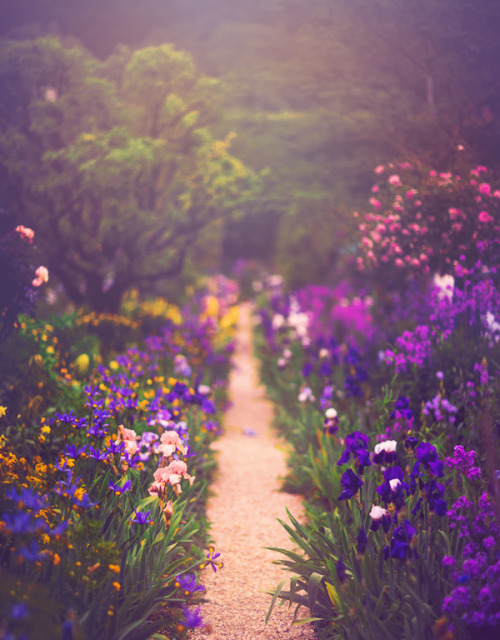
x=72, y=451
x=393, y=488
x=356, y=444
x=341, y=570
x=141, y=517
x=66, y=418
x=401, y=540
x=426, y=455
x=188, y=584
x=351, y=483
x=119, y=490
x=193, y=618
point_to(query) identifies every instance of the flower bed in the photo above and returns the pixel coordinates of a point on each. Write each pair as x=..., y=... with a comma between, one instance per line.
x=104, y=477
x=389, y=400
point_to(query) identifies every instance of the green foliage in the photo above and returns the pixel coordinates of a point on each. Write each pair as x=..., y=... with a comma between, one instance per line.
x=114, y=162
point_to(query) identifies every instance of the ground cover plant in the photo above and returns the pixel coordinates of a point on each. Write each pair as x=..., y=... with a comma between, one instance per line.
x=388, y=396
x=105, y=461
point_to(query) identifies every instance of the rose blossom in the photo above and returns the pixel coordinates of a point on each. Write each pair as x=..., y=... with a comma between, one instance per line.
x=25, y=233
x=42, y=275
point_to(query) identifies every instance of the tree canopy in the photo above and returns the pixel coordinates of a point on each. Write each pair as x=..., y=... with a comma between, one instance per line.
x=112, y=162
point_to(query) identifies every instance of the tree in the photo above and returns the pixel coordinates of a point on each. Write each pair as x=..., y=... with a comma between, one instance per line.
x=113, y=162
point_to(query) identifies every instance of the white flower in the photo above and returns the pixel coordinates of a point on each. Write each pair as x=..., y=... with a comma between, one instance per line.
x=378, y=512
x=204, y=389
x=278, y=321
x=324, y=353
x=275, y=281
x=300, y=322
x=331, y=413
x=306, y=395
x=388, y=445
x=394, y=483
x=446, y=285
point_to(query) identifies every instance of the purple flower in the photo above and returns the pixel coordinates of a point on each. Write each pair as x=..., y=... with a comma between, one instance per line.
x=193, y=618
x=351, y=483
x=361, y=541
x=402, y=539
x=426, y=455
x=97, y=454
x=188, y=584
x=211, y=559
x=119, y=490
x=141, y=518
x=66, y=418
x=72, y=451
x=356, y=444
x=19, y=611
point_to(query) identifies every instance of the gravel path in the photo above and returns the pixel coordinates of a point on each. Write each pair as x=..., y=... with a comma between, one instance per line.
x=243, y=510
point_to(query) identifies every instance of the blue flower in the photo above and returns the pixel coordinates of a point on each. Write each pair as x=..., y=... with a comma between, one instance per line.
x=85, y=502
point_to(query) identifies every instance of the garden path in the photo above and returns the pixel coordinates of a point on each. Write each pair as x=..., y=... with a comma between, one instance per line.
x=243, y=509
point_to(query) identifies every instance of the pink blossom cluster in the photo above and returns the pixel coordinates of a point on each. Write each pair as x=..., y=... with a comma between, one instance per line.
x=41, y=276
x=170, y=443
x=25, y=233
x=172, y=474
x=129, y=437
x=422, y=221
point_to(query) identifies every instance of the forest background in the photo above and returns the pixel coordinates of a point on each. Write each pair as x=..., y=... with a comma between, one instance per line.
x=318, y=92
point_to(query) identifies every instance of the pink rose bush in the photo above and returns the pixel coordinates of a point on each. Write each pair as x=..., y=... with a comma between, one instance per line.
x=424, y=222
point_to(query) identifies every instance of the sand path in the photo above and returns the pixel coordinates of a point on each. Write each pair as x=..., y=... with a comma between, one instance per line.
x=243, y=510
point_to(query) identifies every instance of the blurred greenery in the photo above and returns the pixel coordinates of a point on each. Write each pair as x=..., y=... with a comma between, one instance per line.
x=318, y=92
x=112, y=162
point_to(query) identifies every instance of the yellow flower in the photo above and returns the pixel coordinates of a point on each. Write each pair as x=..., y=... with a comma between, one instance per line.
x=3, y=411
x=82, y=363
x=45, y=429
x=117, y=586
x=114, y=567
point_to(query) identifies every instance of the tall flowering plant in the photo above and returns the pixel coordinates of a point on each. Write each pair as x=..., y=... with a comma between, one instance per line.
x=407, y=546
x=20, y=280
